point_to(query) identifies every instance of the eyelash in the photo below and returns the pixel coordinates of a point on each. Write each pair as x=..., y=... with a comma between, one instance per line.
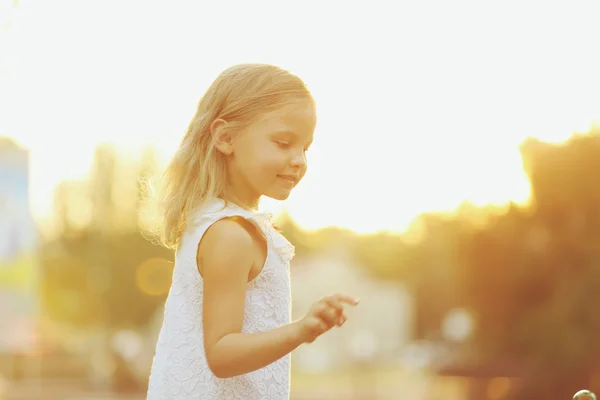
x=284, y=145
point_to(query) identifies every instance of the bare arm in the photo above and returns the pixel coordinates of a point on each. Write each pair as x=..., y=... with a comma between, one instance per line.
x=226, y=255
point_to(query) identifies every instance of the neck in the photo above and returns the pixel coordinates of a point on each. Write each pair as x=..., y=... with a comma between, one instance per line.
x=249, y=203
x=239, y=192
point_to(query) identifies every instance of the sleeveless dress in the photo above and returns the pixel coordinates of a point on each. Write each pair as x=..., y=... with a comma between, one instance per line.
x=179, y=369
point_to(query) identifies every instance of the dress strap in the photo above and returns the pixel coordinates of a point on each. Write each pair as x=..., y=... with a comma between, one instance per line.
x=219, y=209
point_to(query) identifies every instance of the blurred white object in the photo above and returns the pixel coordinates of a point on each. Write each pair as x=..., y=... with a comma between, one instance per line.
x=457, y=325
x=385, y=310
x=417, y=355
x=127, y=343
x=364, y=345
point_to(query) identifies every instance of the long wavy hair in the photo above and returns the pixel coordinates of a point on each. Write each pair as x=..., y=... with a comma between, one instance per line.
x=197, y=171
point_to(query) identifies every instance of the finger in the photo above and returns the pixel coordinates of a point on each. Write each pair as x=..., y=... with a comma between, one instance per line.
x=323, y=326
x=333, y=302
x=341, y=319
x=329, y=316
x=319, y=308
x=347, y=299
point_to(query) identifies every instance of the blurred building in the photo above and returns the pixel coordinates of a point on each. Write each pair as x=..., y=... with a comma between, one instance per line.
x=18, y=244
x=377, y=328
x=18, y=261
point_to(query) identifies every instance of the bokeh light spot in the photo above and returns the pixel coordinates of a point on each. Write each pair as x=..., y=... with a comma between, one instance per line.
x=153, y=276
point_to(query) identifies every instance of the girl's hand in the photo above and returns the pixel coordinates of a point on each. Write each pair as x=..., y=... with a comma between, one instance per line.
x=324, y=315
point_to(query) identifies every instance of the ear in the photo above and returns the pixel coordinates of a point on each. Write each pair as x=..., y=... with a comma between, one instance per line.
x=222, y=138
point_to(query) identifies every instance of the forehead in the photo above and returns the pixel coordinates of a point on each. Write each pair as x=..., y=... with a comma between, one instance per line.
x=298, y=118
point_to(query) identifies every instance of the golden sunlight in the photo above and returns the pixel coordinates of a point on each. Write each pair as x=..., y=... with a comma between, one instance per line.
x=401, y=130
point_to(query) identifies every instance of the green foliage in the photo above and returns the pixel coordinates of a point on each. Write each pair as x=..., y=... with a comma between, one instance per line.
x=93, y=272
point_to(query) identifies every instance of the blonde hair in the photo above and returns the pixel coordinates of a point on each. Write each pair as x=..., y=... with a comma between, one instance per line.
x=197, y=172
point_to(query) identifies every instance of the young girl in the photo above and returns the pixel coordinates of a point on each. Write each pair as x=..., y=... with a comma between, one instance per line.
x=227, y=331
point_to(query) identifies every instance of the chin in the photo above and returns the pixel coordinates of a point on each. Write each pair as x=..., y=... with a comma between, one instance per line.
x=278, y=195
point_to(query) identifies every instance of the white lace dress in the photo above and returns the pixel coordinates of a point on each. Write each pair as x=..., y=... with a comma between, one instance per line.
x=179, y=370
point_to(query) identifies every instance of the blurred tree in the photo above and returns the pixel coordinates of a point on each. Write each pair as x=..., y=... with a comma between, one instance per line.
x=100, y=187
x=533, y=274
x=426, y=259
x=307, y=242
x=94, y=266
x=384, y=255
x=530, y=274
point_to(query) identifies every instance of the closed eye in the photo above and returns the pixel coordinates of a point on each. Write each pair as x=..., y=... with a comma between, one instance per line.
x=284, y=144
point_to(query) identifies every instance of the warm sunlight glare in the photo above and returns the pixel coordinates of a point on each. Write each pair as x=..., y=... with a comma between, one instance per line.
x=411, y=119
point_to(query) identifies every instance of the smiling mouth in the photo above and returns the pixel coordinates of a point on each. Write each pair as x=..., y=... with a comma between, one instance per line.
x=290, y=179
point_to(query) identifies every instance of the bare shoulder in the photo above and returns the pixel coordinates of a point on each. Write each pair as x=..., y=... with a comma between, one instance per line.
x=228, y=245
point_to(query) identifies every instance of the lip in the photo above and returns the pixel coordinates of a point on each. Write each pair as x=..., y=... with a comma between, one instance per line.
x=293, y=179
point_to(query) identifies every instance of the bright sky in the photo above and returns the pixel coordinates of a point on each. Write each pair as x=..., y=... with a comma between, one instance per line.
x=421, y=104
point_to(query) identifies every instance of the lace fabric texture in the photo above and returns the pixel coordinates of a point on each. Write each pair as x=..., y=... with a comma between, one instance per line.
x=179, y=370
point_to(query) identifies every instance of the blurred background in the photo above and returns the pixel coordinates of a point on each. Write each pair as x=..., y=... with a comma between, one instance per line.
x=453, y=187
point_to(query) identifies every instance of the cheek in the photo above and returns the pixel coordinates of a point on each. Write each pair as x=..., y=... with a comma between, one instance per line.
x=303, y=171
x=272, y=157
x=265, y=160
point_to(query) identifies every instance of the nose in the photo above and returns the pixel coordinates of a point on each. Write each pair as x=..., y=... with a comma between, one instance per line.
x=299, y=159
